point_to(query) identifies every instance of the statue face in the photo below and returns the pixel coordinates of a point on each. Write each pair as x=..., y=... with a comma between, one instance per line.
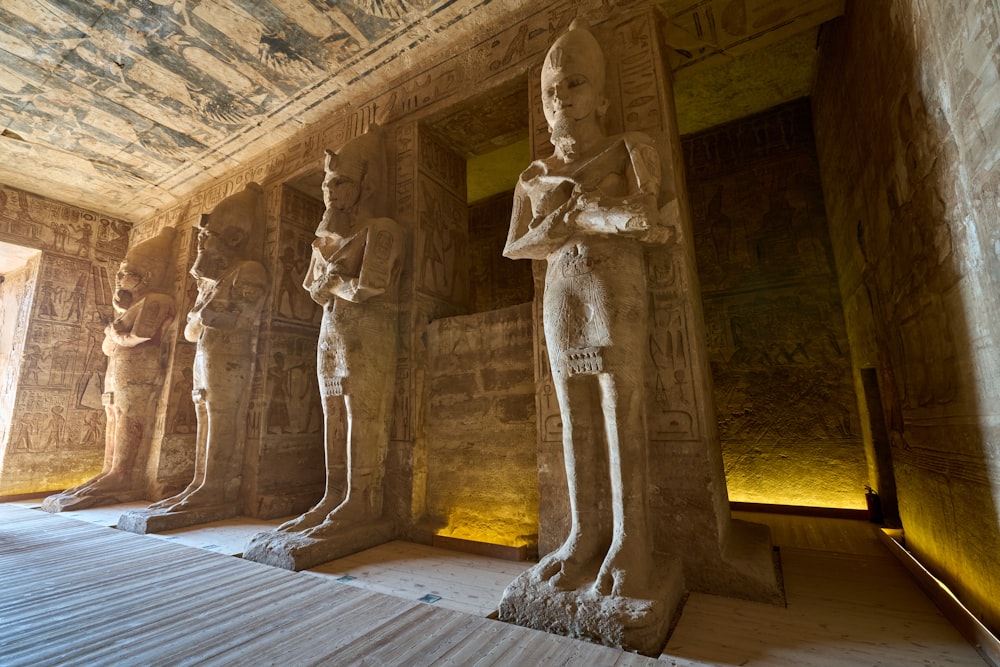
x=340, y=191
x=569, y=96
x=131, y=284
x=340, y=194
x=216, y=247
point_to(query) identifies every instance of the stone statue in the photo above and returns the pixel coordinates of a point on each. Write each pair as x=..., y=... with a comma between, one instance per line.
x=589, y=210
x=232, y=285
x=354, y=275
x=136, y=348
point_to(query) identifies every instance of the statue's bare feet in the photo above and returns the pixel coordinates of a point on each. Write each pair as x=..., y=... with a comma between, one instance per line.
x=626, y=570
x=167, y=504
x=311, y=518
x=566, y=567
x=105, y=484
x=85, y=488
x=347, y=514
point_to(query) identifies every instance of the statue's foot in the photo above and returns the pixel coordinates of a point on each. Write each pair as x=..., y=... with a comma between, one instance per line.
x=104, y=489
x=84, y=488
x=167, y=503
x=626, y=571
x=310, y=519
x=191, y=498
x=567, y=567
x=345, y=516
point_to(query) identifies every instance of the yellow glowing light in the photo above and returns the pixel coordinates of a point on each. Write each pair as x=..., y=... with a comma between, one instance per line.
x=500, y=526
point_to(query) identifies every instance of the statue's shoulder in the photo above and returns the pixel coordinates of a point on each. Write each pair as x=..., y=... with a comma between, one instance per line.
x=385, y=225
x=539, y=168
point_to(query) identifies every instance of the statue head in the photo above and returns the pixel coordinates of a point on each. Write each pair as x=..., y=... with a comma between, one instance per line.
x=353, y=187
x=573, y=96
x=232, y=232
x=145, y=269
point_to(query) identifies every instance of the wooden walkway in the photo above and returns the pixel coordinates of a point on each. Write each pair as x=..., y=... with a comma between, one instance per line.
x=78, y=593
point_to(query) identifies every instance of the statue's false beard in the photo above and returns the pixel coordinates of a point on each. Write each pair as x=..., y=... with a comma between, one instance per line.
x=122, y=300
x=563, y=136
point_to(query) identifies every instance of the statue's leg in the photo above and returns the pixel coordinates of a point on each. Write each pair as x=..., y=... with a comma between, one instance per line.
x=628, y=564
x=367, y=442
x=200, y=459
x=586, y=541
x=334, y=433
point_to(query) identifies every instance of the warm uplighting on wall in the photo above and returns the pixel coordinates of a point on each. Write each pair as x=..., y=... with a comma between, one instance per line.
x=499, y=532
x=805, y=481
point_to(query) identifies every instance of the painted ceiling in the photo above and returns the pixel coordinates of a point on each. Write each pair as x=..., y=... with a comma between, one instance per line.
x=126, y=106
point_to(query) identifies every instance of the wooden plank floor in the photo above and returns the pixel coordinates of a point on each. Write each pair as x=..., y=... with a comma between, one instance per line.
x=75, y=593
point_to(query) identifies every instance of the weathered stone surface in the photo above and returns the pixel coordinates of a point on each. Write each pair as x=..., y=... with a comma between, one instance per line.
x=301, y=550
x=635, y=623
x=354, y=274
x=588, y=211
x=232, y=285
x=51, y=423
x=136, y=346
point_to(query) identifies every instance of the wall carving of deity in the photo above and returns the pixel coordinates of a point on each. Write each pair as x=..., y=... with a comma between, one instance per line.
x=777, y=341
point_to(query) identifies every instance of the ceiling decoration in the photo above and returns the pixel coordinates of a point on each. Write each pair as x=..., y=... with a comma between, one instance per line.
x=126, y=106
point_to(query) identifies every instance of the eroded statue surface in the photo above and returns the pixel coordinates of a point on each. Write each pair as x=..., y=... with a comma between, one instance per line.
x=232, y=284
x=136, y=348
x=590, y=210
x=354, y=275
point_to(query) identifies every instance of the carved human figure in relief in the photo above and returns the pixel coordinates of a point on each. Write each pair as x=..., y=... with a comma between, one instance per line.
x=136, y=350
x=232, y=284
x=589, y=210
x=354, y=275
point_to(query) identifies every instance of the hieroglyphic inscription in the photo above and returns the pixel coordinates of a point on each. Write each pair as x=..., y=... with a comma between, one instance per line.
x=638, y=85
x=405, y=166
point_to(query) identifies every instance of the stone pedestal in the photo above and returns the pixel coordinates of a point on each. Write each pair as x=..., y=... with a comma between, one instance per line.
x=157, y=521
x=301, y=551
x=632, y=624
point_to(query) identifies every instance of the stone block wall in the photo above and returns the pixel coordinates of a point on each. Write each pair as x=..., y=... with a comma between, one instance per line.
x=482, y=480
x=907, y=118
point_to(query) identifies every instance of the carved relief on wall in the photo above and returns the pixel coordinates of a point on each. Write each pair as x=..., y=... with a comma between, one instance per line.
x=442, y=240
x=912, y=264
x=777, y=340
x=292, y=396
x=290, y=301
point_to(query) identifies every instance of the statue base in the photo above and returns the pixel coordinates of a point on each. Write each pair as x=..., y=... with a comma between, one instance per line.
x=748, y=568
x=157, y=521
x=633, y=624
x=299, y=551
x=67, y=502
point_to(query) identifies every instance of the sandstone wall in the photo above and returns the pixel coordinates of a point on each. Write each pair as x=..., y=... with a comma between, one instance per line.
x=55, y=434
x=482, y=479
x=786, y=406
x=907, y=116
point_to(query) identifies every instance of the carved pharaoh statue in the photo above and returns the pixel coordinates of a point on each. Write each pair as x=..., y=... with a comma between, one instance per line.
x=590, y=210
x=354, y=275
x=136, y=348
x=232, y=284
